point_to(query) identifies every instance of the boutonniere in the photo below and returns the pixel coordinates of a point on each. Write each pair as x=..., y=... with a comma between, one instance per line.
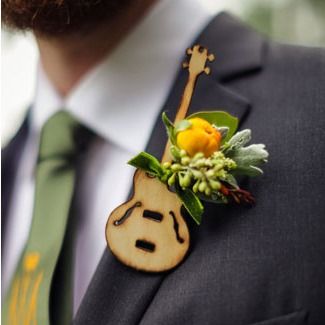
x=202, y=160
x=207, y=154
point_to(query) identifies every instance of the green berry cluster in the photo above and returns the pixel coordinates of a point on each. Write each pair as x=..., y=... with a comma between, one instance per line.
x=202, y=175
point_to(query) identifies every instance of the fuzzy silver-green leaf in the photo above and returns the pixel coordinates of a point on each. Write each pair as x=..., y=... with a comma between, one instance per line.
x=238, y=140
x=249, y=159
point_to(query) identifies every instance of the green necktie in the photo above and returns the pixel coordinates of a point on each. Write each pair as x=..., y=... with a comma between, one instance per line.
x=28, y=299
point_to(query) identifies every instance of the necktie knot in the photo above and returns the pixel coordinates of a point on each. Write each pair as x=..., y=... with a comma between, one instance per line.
x=62, y=137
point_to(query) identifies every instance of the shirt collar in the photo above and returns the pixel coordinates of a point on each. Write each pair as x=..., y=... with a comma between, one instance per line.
x=120, y=98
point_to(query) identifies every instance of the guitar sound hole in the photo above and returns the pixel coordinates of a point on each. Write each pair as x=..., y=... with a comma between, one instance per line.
x=127, y=213
x=176, y=228
x=152, y=215
x=145, y=245
x=150, y=175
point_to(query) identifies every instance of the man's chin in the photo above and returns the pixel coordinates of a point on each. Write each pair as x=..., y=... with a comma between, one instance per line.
x=59, y=17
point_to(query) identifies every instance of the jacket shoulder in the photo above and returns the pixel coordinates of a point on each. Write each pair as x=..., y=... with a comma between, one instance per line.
x=302, y=62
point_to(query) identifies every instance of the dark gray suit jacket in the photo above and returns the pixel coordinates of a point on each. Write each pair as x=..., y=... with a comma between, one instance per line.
x=258, y=265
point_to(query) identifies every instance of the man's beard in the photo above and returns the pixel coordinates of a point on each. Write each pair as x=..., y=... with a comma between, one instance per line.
x=59, y=17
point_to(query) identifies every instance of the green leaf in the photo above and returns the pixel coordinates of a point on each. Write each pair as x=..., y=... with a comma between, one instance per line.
x=250, y=171
x=219, y=119
x=192, y=204
x=148, y=163
x=181, y=126
x=170, y=128
x=238, y=140
x=248, y=159
x=230, y=179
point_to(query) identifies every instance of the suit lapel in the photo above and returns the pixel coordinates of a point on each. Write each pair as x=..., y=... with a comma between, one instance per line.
x=118, y=294
x=239, y=50
x=10, y=157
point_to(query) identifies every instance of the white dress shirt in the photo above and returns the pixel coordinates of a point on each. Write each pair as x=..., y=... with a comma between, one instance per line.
x=119, y=100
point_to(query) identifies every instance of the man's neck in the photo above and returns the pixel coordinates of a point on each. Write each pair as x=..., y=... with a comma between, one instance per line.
x=66, y=60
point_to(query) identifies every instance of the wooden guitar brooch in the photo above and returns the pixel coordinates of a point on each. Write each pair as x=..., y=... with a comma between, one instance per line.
x=202, y=158
x=148, y=232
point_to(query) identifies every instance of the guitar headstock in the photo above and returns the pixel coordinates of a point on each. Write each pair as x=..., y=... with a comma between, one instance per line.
x=198, y=58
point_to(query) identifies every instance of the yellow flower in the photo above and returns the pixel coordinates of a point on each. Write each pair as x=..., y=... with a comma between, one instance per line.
x=31, y=261
x=201, y=136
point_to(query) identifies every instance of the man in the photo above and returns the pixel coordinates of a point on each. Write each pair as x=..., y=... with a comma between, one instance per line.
x=111, y=65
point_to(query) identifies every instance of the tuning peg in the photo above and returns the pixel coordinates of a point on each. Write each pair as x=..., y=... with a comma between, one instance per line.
x=185, y=65
x=211, y=57
x=189, y=51
x=207, y=70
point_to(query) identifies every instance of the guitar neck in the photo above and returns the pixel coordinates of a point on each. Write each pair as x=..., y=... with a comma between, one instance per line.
x=186, y=99
x=182, y=110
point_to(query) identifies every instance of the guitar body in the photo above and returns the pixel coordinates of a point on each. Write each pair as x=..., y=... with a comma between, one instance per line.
x=148, y=232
